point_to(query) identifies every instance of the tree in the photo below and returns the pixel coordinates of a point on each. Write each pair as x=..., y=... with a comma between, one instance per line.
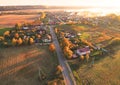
x=26, y=40
x=5, y=43
x=66, y=48
x=56, y=30
x=54, y=83
x=14, y=41
x=6, y=33
x=38, y=36
x=68, y=53
x=87, y=57
x=65, y=42
x=43, y=15
x=62, y=34
x=82, y=57
x=88, y=43
x=52, y=47
x=59, y=69
x=18, y=25
x=16, y=35
x=19, y=41
x=1, y=38
x=31, y=41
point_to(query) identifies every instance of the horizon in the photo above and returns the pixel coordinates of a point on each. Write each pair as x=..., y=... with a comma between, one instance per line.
x=72, y=3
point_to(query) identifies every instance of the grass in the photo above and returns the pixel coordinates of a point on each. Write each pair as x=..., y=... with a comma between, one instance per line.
x=84, y=35
x=2, y=30
x=73, y=28
x=106, y=68
x=19, y=65
x=104, y=72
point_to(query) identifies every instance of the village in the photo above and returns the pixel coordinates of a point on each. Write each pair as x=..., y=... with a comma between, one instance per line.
x=25, y=34
x=74, y=40
x=74, y=46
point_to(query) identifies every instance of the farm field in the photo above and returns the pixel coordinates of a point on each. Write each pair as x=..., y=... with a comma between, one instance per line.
x=11, y=20
x=19, y=65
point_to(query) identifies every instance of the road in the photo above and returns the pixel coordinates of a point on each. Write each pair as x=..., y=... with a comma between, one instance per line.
x=67, y=74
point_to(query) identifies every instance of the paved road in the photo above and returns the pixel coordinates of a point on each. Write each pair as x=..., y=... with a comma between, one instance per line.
x=67, y=74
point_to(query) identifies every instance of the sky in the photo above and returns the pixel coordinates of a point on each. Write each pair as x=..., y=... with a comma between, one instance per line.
x=103, y=3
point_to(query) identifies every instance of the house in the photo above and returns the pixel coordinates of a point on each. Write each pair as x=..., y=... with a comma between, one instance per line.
x=46, y=40
x=83, y=51
x=25, y=28
x=74, y=56
x=79, y=34
x=69, y=35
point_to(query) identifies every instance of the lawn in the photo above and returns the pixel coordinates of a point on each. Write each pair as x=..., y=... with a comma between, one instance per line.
x=19, y=65
x=2, y=30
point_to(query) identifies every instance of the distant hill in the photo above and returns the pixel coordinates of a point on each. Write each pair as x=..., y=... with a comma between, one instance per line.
x=11, y=8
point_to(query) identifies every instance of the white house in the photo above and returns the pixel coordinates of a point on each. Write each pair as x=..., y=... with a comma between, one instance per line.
x=25, y=28
x=83, y=51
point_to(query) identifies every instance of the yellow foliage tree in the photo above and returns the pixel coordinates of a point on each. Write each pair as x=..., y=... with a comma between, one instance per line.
x=56, y=30
x=52, y=47
x=18, y=25
x=66, y=42
x=31, y=41
x=88, y=43
x=66, y=48
x=87, y=57
x=62, y=34
x=1, y=38
x=82, y=57
x=6, y=33
x=26, y=40
x=16, y=35
x=38, y=36
x=68, y=53
x=14, y=41
x=43, y=15
x=19, y=41
x=59, y=68
x=5, y=43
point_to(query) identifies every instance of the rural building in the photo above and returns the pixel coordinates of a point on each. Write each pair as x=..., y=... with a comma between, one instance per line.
x=83, y=51
x=25, y=28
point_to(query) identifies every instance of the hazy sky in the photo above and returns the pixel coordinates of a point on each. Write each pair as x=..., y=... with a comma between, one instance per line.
x=110, y=3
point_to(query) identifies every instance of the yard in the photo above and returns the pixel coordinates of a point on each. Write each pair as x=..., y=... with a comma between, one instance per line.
x=19, y=65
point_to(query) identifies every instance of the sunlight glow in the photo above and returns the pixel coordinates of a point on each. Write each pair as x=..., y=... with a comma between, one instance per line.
x=100, y=3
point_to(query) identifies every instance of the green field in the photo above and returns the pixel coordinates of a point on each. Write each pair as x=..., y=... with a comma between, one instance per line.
x=2, y=30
